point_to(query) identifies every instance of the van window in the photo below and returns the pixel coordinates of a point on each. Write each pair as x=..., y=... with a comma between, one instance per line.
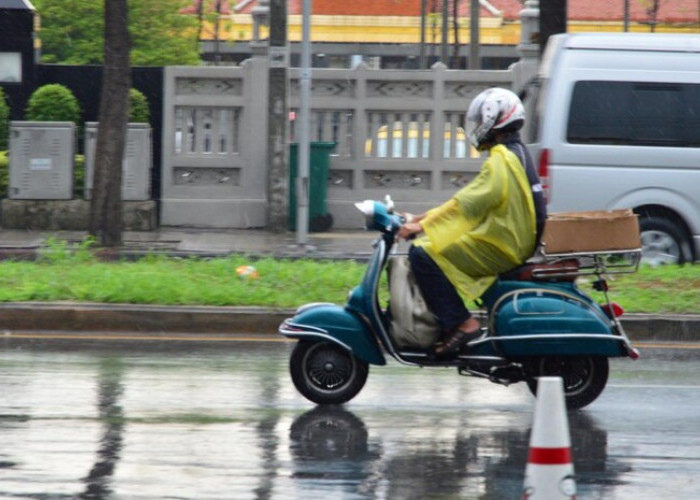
x=635, y=113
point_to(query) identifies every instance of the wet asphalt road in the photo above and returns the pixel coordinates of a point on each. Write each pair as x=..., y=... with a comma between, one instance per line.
x=184, y=420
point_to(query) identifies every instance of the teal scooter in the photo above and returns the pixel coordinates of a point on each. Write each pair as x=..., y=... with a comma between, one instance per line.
x=540, y=323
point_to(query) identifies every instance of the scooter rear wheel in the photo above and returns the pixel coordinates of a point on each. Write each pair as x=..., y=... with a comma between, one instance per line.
x=584, y=377
x=325, y=373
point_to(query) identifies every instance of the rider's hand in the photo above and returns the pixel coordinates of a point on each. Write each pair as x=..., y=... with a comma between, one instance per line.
x=408, y=217
x=409, y=230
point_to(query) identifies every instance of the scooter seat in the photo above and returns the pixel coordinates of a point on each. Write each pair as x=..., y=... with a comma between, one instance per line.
x=564, y=270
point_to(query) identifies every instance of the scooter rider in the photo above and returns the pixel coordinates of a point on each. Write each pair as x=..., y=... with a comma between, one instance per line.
x=488, y=227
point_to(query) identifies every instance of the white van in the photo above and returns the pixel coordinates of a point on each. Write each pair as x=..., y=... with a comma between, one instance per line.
x=615, y=123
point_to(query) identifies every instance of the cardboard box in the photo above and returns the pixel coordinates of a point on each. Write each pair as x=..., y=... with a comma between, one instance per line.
x=596, y=231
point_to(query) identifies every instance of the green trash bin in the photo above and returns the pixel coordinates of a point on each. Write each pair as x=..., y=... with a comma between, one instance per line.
x=319, y=164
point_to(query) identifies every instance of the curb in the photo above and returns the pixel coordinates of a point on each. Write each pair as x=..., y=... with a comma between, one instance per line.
x=137, y=318
x=664, y=328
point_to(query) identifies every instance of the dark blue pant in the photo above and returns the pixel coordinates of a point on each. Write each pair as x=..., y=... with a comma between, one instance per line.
x=440, y=295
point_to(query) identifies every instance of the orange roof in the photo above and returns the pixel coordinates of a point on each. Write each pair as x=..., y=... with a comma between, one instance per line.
x=209, y=6
x=670, y=11
x=364, y=7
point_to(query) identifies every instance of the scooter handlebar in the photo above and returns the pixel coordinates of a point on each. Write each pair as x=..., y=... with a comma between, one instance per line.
x=379, y=216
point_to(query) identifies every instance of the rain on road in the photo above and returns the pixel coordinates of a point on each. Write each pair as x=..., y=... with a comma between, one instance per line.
x=221, y=420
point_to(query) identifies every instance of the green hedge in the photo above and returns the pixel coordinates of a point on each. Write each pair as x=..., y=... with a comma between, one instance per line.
x=53, y=103
x=4, y=121
x=4, y=173
x=138, y=107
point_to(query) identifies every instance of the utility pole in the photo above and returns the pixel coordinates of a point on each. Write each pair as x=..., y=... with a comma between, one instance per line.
x=423, y=14
x=304, y=152
x=445, y=18
x=474, y=8
x=552, y=20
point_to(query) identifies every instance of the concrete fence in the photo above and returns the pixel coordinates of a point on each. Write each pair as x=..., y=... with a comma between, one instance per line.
x=398, y=132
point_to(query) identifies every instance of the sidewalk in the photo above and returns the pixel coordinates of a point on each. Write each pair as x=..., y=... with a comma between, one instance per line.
x=145, y=319
x=206, y=242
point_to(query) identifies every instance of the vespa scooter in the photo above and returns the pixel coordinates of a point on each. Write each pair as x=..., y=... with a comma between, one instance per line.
x=540, y=323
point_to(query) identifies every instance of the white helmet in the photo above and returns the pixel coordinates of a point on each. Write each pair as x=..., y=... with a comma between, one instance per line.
x=493, y=109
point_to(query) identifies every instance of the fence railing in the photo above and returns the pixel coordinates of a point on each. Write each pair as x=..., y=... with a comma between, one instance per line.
x=396, y=132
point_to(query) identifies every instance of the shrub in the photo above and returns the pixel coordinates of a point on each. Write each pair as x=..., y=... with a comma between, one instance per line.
x=4, y=121
x=138, y=107
x=53, y=103
x=79, y=176
x=4, y=173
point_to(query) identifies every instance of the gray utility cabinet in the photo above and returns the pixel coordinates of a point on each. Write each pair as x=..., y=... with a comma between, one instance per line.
x=41, y=160
x=136, y=164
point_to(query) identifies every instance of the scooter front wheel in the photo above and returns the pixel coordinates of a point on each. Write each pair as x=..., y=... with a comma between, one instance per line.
x=584, y=377
x=325, y=373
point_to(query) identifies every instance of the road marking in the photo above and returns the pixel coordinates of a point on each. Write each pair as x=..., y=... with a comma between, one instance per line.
x=652, y=386
x=678, y=345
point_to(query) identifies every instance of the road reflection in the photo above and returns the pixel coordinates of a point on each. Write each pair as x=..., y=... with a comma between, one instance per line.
x=332, y=445
x=267, y=435
x=215, y=423
x=110, y=390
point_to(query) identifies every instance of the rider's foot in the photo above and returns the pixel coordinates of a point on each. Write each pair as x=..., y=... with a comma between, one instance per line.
x=453, y=344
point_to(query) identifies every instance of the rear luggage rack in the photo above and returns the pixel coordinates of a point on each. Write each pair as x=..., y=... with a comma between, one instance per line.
x=572, y=264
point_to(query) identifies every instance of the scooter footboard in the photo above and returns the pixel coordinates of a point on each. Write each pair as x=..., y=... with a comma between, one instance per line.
x=335, y=324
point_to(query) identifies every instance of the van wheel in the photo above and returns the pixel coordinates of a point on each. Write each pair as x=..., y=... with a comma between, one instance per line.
x=663, y=242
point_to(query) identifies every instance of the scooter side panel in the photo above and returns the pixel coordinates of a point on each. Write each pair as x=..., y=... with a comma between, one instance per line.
x=540, y=322
x=336, y=324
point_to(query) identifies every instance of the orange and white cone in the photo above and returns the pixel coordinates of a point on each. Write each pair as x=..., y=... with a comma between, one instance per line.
x=550, y=472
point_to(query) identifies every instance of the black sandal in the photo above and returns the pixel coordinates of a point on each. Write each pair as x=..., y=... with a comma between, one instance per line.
x=454, y=343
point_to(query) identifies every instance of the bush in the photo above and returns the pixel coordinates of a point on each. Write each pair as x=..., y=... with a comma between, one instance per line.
x=4, y=121
x=138, y=107
x=4, y=173
x=79, y=176
x=53, y=103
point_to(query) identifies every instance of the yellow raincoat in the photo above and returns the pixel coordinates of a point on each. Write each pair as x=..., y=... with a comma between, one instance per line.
x=488, y=227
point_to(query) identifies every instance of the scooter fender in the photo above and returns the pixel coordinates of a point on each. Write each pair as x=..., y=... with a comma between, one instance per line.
x=336, y=324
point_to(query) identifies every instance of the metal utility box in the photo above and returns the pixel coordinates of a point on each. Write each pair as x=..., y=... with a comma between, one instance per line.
x=136, y=164
x=41, y=160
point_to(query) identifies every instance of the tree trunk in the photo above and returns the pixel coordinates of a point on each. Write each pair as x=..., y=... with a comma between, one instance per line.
x=106, y=204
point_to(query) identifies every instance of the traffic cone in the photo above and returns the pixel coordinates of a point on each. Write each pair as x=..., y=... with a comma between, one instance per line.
x=550, y=473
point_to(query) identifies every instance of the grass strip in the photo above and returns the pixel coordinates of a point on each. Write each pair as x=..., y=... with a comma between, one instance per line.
x=64, y=274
